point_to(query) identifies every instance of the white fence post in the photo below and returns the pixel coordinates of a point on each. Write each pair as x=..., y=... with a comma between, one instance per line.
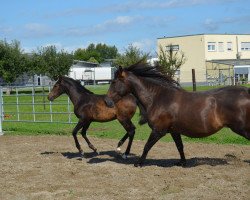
x=1, y=110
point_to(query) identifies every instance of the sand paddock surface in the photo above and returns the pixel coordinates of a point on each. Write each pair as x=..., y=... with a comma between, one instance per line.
x=49, y=167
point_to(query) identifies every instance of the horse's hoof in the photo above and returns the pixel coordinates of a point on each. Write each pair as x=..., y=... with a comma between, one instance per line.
x=124, y=156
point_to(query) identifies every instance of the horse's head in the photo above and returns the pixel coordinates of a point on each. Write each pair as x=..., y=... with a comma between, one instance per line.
x=119, y=87
x=57, y=90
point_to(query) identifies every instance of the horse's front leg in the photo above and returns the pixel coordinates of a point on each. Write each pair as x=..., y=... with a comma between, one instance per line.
x=179, y=145
x=74, y=133
x=153, y=138
x=84, y=135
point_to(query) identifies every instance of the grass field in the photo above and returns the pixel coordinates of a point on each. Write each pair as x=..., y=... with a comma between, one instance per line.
x=107, y=130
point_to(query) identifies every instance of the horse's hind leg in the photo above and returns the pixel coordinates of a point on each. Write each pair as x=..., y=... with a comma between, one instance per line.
x=74, y=133
x=179, y=145
x=130, y=128
x=131, y=133
x=84, y=135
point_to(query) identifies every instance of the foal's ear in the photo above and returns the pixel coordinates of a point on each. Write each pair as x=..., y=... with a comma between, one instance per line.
x=59, y=78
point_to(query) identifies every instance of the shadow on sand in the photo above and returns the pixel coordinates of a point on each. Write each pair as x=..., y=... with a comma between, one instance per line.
x=113, y=156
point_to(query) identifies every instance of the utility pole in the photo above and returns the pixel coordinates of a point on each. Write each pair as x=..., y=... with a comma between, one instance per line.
x=193, y=80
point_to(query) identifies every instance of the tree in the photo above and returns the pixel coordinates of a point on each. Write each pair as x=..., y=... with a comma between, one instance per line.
x=93, y=60
x=13, y=62
x=106, y=52
x=48, y=61
x=170, y=61
x=131, y=56
x=99, y=52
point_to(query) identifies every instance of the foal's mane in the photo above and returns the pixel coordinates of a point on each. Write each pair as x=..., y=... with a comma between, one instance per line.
x=77, y=84
x=152, y=74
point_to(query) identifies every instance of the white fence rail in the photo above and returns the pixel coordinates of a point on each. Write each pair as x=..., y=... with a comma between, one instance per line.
x=30, y=104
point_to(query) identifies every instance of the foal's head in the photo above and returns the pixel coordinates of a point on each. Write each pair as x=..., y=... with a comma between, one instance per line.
x=57, y=90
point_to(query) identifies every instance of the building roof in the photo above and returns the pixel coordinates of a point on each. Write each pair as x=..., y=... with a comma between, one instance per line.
x=233, y=62
x=201, y=34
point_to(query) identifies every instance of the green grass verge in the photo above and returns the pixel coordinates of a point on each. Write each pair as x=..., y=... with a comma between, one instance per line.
x=102, y=130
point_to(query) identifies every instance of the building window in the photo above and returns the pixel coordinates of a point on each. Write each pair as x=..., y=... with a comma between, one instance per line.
x=211, y=46
x=173, y=47
x=229, y=46
x=245, y=46
x=220, y=46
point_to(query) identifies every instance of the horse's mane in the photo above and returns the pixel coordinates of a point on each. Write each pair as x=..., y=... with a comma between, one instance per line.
x=77, y=84
x=152, y=74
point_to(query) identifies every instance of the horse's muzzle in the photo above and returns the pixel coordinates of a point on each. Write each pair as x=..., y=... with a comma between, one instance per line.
x=109, y=102
x=50, y=98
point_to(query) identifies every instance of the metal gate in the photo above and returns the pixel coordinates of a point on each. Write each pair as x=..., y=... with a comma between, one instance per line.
x=30, y=104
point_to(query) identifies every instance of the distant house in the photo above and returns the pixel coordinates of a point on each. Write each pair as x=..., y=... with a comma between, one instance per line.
x=29, y=80
x=216, y=58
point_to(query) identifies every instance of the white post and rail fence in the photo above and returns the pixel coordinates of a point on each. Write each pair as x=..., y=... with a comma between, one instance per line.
x=30, y=105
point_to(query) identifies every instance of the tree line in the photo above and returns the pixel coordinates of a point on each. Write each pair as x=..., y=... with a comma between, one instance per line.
x=52, y=62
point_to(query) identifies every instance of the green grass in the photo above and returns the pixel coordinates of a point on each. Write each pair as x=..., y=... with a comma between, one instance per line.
x=102, y=130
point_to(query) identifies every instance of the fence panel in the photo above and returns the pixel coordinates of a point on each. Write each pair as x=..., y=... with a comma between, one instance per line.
x=30, y=104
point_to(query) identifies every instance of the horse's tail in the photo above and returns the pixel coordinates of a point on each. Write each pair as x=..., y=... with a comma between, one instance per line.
x=143, y=114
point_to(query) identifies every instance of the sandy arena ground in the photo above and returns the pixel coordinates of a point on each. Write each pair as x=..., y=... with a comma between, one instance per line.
x=49, y=167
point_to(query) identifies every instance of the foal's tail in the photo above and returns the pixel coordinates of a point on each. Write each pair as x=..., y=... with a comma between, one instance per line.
x=143, y=114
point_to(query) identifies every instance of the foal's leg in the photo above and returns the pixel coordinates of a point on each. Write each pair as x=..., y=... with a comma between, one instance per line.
x=153, y=138
x=179, y=145
x=74, y=133
x=84, y=135
x=120, y=143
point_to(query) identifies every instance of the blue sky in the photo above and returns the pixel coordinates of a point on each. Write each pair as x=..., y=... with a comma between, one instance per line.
x=72, y=24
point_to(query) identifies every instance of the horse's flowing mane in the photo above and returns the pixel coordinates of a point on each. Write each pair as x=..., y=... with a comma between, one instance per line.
x=76, y=84
x=152, y=74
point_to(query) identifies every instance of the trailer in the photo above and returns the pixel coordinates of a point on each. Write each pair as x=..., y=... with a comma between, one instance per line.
x=92, y=75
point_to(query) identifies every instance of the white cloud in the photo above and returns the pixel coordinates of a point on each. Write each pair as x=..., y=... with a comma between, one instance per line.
x=146, y=45
x=5, y=30
x=37, y=30
x=213, y=25
x=113, y=25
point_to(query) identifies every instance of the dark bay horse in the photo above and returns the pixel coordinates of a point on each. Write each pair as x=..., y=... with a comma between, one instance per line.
x=169, y=108
x=89, y=107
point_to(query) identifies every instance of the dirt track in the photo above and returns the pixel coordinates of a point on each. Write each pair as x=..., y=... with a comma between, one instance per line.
x=48, y=167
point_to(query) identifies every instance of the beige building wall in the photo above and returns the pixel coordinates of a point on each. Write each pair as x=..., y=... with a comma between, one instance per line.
x=195, y=49
x=224, y=53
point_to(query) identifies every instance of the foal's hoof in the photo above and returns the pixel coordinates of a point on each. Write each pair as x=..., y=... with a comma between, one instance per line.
x=118, y=150
x=81, y=155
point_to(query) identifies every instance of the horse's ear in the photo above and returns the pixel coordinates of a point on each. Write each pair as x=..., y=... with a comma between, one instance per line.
x=120, y=72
